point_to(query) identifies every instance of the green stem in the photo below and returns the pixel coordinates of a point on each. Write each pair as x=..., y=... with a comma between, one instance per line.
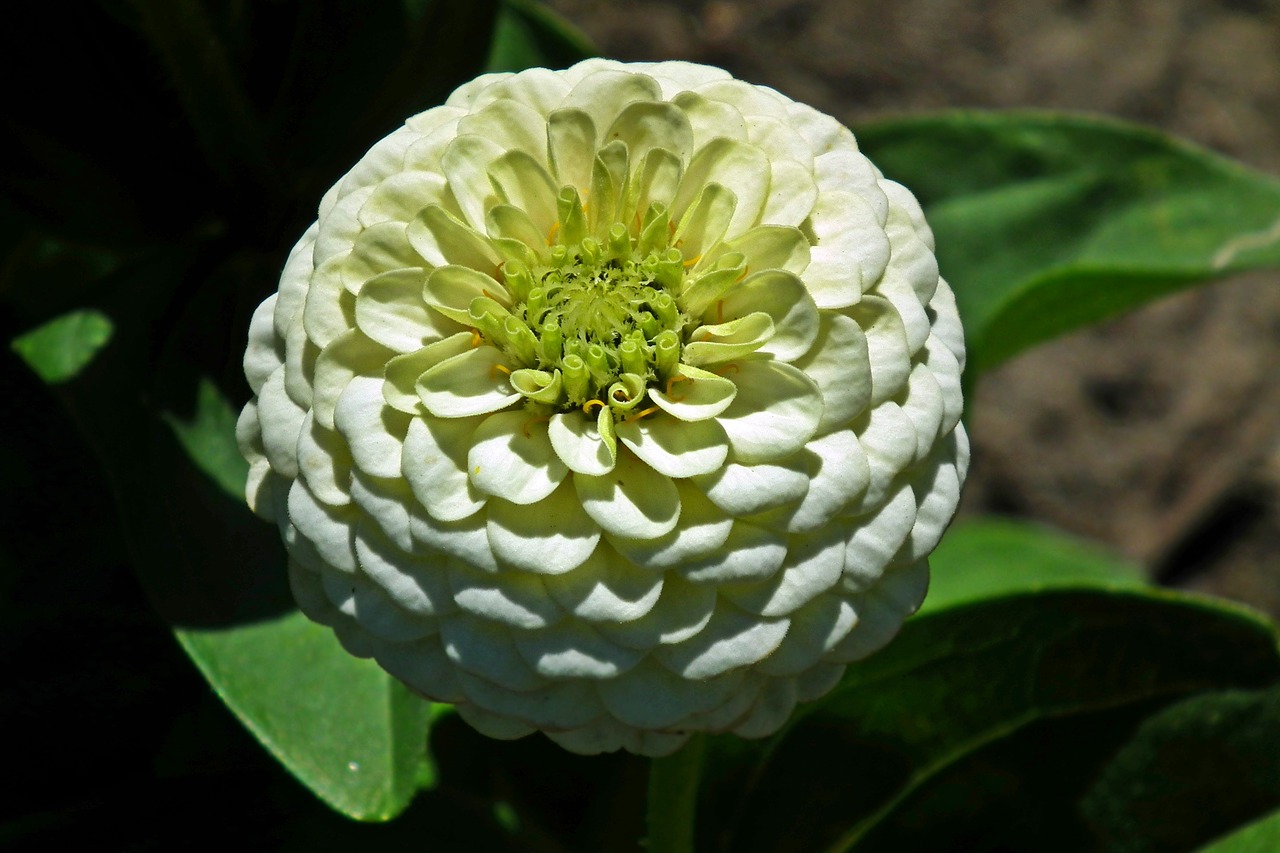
x=673, y=798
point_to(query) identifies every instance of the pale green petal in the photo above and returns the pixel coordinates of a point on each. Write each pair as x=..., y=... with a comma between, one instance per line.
x=265, y=353
x=701, y=531
x=632, y=500
x=467, y=539
x=579, y=444
x=390, y=310
x=840, y=365
x=677, y=76
x=723, y=342
x=553, y=708
x=426, y=154
x=327, y=528
x=652, y=697
x=793, y=193
x=330, y=309
x=847, y=170
x=644, y=125
x=609, y=176
x=815, y=629
x=512, y=458
x=487, y=649
x=348, y=355
x=450, y=290
x=573, y=650
x=734, y=164
x=523, y=182
x=838, y=474
x=606, y=588
x=261, y=481
x=442, y=239
x=711, y=118
x=420, y=585
x=539, y=88
x=752, y=100
x=511, y=223
x=467, y=384
x=697, y=396
x=750, y=553
x=281, y=419
x=603, y=94
x=657, y=180
x=324, y=462
x=683, y=609
x=295, y=281
x=781, y=295
x=732, y=639
x=402, y=196
x=851, y=252
x=571, y=142
x=466, y=167
x=766, y=247
x=813, y=566
x=876, y=538
x=516, y=599
x=706, y=221
x=940, y=488
x=887, y=347
x=339, y=227
x=378, y=249
x=674, y=447
x=776, y=412
x=402, y=372
x=510, y=124
x=777, y=138
x=901, y=197
x=740, y=489
x=300, y=357
x=385, y=158
x=434, y=464
x=495, y=726
x=889, y=439
x=368, y=604
x=923, y=404
x=549, y=537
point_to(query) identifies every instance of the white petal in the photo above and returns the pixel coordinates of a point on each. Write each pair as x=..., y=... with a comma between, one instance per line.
x=851, y=253
x=579, y=444
x=876, y=538
x=390, y=310
x=740, y=489
x=644, y=125
x=847, y=170
x=573, y=650
x=749, y=553
x=812, y=567
x=606, y=588
x=402, y=196
x=418, y=584
x=738, y=165
x=517, y=599
x=941, y=493
x=327, y=528
x=604, y=94
x=424, y=666
x=923, y=404
x=522, y=181
x=434, y=464
x=281, y=420
x=838, y=473
x=632, y=500
x=710, y=118
x=695, y=394
x=557, y=706
x=466, y=163
x=881, y=611
x=815, y=629
x=887, y=347
x=387, y=503
x=776, y=411
x=683, y=609
x=324, y=462
x=468, y=384
x=265, y=352
x=674, y=447
x=571, y=139
x=538, y=88
x=889, y=439
x=509, y=123
x=486, y=649
x=442, y=239
x=367, y=603
x=701, y=531
x=330, y=308
x=349, y=355
x=840, y=365
x=652, y=697
x=512, y=458
x=781, y=295
x=792, y=194
x=550, y=537
x=374, y=431
x=732, y=639
x=466, y=539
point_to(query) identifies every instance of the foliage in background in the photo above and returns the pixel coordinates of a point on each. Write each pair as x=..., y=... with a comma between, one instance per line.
x=1031, y=705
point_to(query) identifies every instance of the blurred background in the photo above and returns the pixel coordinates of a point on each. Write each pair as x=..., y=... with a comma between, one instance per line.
x=1158, y=433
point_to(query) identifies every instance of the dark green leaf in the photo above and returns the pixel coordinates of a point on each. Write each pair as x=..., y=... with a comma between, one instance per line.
x=529, y=35
x=350, y=732
x=1191, y=773
x=960, y=680
x=1046, y=223
x=1260, y=836
x=991, y=558
x=58, y=350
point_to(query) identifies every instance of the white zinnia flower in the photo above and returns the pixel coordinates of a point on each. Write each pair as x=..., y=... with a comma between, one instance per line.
x=618, y=403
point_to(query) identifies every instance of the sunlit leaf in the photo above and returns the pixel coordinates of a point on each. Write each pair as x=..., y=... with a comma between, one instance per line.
x=991, y=558
x=1257, y=837
x=58, y=350
x=1046, y=223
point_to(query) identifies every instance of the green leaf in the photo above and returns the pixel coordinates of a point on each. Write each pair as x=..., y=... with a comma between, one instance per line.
x=59, y=349
x=209, y=438
x=353, y=734
x=959, y=681
x=1260, y=836
x=994, y=557
x=1192, y=772
x=528, y=34
x=1046, y=223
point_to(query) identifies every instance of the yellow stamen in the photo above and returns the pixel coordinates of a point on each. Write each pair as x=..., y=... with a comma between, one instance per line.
x=726, y=368
x=672, y=381
x=551, y=235
x=524, y=428
x=719, y=311
x=501, y=367
x=476, y=338
x=642, y=414
x=586, y=407
x=690, y=263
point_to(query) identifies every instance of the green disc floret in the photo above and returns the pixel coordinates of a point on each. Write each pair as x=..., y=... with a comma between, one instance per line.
x=594, y=320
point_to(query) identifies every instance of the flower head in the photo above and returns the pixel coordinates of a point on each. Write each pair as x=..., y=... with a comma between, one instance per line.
x=618, y=403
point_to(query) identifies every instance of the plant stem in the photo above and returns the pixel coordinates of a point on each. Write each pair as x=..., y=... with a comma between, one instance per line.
x=673, y=798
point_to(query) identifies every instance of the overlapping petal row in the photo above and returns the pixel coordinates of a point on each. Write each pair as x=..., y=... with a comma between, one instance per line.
x=618, y=403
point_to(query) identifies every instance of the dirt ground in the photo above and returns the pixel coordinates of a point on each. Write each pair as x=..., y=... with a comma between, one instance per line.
x=1158, y=433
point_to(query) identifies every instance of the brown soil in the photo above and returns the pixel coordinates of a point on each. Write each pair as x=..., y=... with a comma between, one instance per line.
x=1158, y=433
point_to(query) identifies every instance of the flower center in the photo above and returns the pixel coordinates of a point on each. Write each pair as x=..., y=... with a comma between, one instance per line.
x=592, y=320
